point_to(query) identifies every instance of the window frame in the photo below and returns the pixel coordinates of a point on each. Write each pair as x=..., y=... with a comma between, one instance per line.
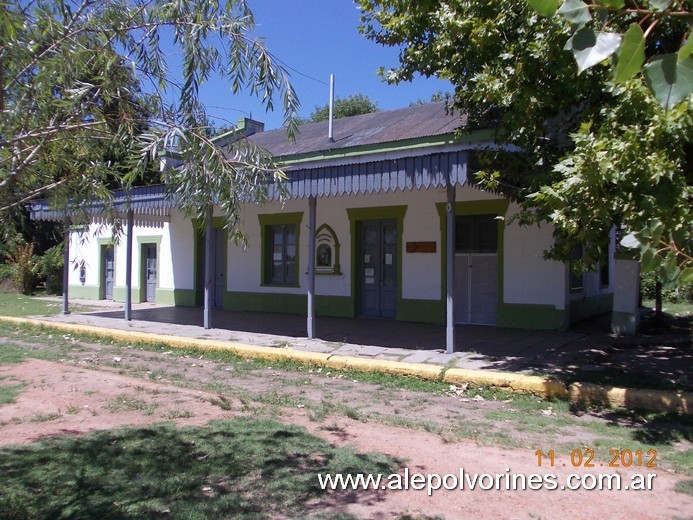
x=476, y=221
x=267, y=223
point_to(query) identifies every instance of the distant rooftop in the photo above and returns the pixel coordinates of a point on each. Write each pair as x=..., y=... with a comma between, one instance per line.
x=367, y=129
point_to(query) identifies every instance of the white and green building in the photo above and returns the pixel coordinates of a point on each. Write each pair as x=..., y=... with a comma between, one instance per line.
x=382, y=220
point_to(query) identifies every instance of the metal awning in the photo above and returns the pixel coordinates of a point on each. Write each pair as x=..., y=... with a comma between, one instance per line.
x=385, y=176
x=142, y=200
x=402, y=174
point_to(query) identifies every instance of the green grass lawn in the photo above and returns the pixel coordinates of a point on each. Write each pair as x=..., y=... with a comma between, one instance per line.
x=12, y=304
x=243, y=468
x=675, y=309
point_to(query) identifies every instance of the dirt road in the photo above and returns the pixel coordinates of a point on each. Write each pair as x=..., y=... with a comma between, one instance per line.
x=82, y=387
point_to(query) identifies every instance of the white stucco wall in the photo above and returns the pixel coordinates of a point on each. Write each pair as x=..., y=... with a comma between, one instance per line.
x=527, y=277
x=84, y=250
x=420, y=271
x=175, y=253
x=181, y=249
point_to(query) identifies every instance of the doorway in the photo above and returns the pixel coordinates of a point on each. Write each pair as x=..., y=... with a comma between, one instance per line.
x=150, y=274
x=377, y=268
x=476, y=269
x=108, y=270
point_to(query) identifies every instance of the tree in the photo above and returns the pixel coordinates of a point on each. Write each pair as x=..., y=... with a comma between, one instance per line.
x=436, y=97
x=78, y=77
x=668, y=74
x=594, y=154
x=354, y=105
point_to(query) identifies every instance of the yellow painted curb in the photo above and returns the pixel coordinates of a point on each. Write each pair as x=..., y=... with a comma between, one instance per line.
x=632, y=398
x=586, y=393
x=240, y=349
x=380, y=365
x=514, y=382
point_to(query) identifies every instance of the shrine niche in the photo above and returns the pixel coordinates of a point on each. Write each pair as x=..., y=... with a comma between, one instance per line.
x=326, y=251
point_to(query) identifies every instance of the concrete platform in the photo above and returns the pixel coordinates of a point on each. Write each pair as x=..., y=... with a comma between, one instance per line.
x=559, y=354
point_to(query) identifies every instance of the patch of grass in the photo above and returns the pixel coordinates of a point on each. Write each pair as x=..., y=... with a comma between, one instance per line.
x=72, y=410
x=179, y=414
x=20, y=305
x=532, y=421
x=12, y=354
x=222, y=402
x=45, y=417
x=684, y=486
x=127, y=403
x=245, y=468
x=8, y=393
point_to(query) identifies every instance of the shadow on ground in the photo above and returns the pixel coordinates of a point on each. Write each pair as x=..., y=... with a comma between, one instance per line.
x=242, y=468
x=659, y=358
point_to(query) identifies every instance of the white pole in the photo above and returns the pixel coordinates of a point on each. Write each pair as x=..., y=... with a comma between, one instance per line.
x=209, y=287
x=450, y=272
x=311, y=266
x=329, y=129
x=128, y=267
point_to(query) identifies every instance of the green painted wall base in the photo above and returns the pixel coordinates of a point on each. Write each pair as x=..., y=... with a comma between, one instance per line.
x=83, y=292
x=264, y=302
x=421, y=311
x=525, y=316
x=119, y=294
x=625, y=322
x=177, y=297
x=337, y=306
x=592, y=306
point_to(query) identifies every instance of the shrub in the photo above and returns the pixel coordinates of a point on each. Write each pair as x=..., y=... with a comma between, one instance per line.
x=50, y=268
x=5, y=272
x=678, y=295
x=23, y=266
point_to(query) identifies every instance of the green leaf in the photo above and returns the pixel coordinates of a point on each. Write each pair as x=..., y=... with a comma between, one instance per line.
x=575, y=11
x=687, y=48
x=545, y=7
x=650, y=260
x=646, y=256
x=631, y=55
x=630, y=241
x=660, y=5
x=617, y=4
x=671, y=81
x=687, y=275
x=590, y=47
x=669, y=271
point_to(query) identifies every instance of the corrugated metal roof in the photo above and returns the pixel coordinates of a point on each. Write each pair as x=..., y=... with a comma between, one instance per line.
x=368, y=129
x=407, y=173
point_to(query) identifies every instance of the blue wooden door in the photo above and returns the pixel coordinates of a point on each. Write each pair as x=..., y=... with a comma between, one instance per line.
x=377, y=268
x=108, y=272
x=151, y=273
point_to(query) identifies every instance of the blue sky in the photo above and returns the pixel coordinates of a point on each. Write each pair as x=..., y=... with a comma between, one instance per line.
x=316, y=38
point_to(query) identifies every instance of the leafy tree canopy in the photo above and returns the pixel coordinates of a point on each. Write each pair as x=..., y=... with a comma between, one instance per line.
x=90, y=98
x=436, y=97
x=354, y=105
x=596, y=153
